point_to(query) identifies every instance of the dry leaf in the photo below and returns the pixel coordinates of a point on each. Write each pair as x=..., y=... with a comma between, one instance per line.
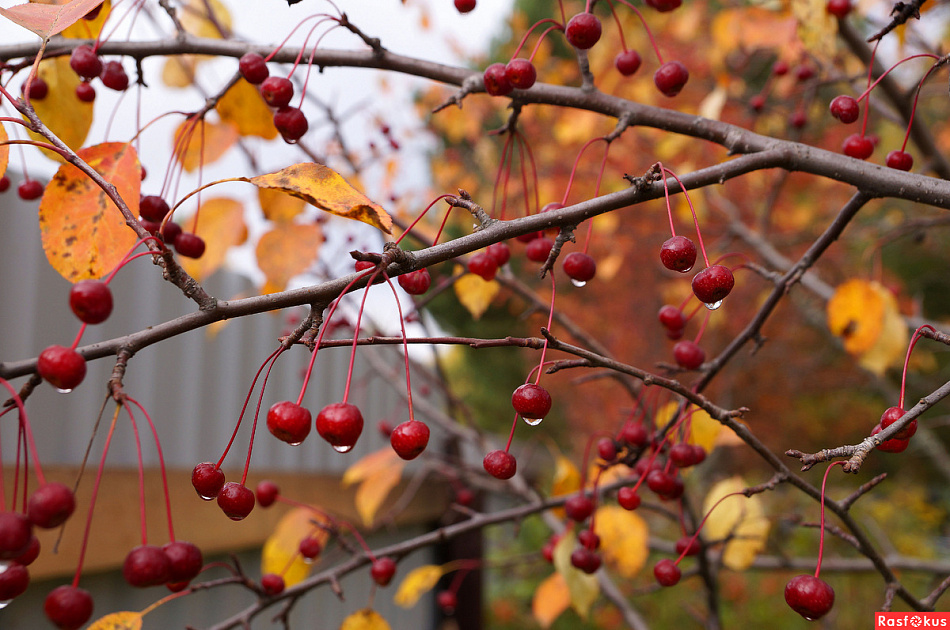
x=624, y=538
x=221, y=225
x=244, y=107
x=47, y=20
x=326, y=189
x=551, y=598
x=285, y=251
x=738, y=517
x=366, y=619
x=583, y=588
x=419, y=582
x=200, y=143
x=65, y=115
x=125, y=620
x=281, y=555
x=84, y=235
x=475, y=293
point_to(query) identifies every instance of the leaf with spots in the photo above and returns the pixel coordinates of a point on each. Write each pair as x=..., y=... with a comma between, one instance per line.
x=84, y=235
x=287, y=250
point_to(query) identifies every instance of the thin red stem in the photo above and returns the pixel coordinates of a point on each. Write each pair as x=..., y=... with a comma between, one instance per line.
x=910, y=348
x=161, y=466
x=821, y=536
x=25, y=423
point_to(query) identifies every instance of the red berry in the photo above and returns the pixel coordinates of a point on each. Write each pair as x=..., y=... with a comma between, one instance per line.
x=29, y=190
x=207, y=480
x=499, y=253
x=310, y=547
x=272, y=584
x=500, y=464
x=532, y=402
x=277, y=91
x=85, y=92
x=235, y=500
x=32, y=552
x=713, y=284
x=662, y=484
x=892, y=415
x=153, y=208
x=530, y=236
x=484, y=265
x=688, y=355
x=521, y=73
x=146, y=565
x=664, y=5
x=289, y=422
x=666, y=572
x=253, y=68
x=678, y=254
x=607, y=449
x=415, y=282
x=91, y=301
x=780, y=68
x=38, y=89
x=464, y=497
x=363, y=265
x=464, y=6
x=579, y=507
x=797, y=119
x=409, y=439
x=68, y=607
x=857, y=146
x=114, y=77
x=583, y=30
x=757, y=103
x=804, y=72
x=340, y=424
x=50, y=505
x=184, y=560
x=670, y=78
x=901, y=160
x=845, y=108
x=628, y=62
x=85, y=62
x=634, y=434
x=16, y=530
x=580, y=268
x=291, y=123
x=266, y=492
x=190, y=245
x=61, y=367
x=586, y=560
x=809, y=596
x=538, y=249
x=496, y=80
x=672, y=318
x=383, y=570
x=13, y=582
x=838, y=8
x=448, y=601
x=4, y=184
x=628, y=498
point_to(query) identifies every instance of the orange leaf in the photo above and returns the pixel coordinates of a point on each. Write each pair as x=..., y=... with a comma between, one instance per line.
x=243, y=107
x=377, y=473
x=83, y=233
x=286, y=251
x=125, y=620
x=201, y=142
x=326, y=189
x=551, y=598
x=47, y=20
x=4, y=150
x=65, y=115
x=278, y=206
x=221, y=225
x=366, y=619
x=280, y=554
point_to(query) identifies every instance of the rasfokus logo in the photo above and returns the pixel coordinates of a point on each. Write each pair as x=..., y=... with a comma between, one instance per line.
x=911, y=620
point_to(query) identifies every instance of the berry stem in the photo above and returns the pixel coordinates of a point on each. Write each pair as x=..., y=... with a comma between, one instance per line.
x=25, y=423
x=273, y=357
x=570, y=179
x=544, y=349
x=524, y=38
x=257, y=415
x=646, y=28
x=821, y=536
x=699, y=234
x=138, y=452
x=422, y=214
x=405, y=346
x=356, y=334
x=910, y=348
x=161, y=466
x=537, y=46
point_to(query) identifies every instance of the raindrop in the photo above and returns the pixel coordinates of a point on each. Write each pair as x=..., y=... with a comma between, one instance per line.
x=578, y=283
x=64, y=391
x=343, y=448
x=533, y=421
x=206, y=497
x=713, y=305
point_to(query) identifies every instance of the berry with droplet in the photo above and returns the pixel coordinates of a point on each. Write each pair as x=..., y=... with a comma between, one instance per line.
x=713, y=284
x=61, y=367
x=340, y=424
x=531, y=401
x=207, y=480
x=580, y=267
x=289, y=422
x=809, y=596
x=13, y=582
x=678, y=253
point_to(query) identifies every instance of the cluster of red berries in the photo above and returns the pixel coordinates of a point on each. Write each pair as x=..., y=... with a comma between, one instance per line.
x=152, y=212
x=901, y=439
x=711, y=285
x=277, y=93
x=85, y=62
x=28, y=190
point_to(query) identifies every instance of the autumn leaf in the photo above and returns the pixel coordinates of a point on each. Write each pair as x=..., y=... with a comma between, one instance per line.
x=179, y=72
x=740, y=518
x=280, y=553
x=866, y=316
x=4, y=150
x=623, y=539
x=366, y=619
x=243, y=107
x=200, y=143
x=65, y=115
x=285, y=251
x=47, y=20
x=221, y=225
x=417, y=583
x=583, y=588
x=703, y=430
x=86, y=29
x=197, y=20
x=326, y=189
x=551, y=599
x=377, y=473
x=125, y=620
x=475, y=293
x=277, y=206
x=817, y=29
x=84, y=235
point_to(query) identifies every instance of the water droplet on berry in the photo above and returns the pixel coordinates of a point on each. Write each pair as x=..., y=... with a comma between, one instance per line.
x=207, y=498
x=713, y=305
x=295, y=443
x=533, y=421
x=578, y=283
x=343, y=448
x=64, y=391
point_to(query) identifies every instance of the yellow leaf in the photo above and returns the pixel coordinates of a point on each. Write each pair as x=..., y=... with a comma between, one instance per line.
x=712, y=105
x=125, y=620
x=47, y=20
x=179, y=72
x=196, y=19
x=201, y=143
x=368, y=465
x=243, y=107
x=583, y=588
x=61, y=111
x=221, y=225
x=87, y=29
x=623, y=539
x=280, y=554
x=366, y=619
x=865, y=315
x=567, y=479
x=817, y=29
x=750, y=28
x=287, y=250
x=740, y=518
x=703, y=430
x=4, y=150
x=83, y=233
x=326, y=189
x=278, y=206
x=377, y=473
x=419, y=582
x=475, y=293
x=551, y=598
x=891, y=344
